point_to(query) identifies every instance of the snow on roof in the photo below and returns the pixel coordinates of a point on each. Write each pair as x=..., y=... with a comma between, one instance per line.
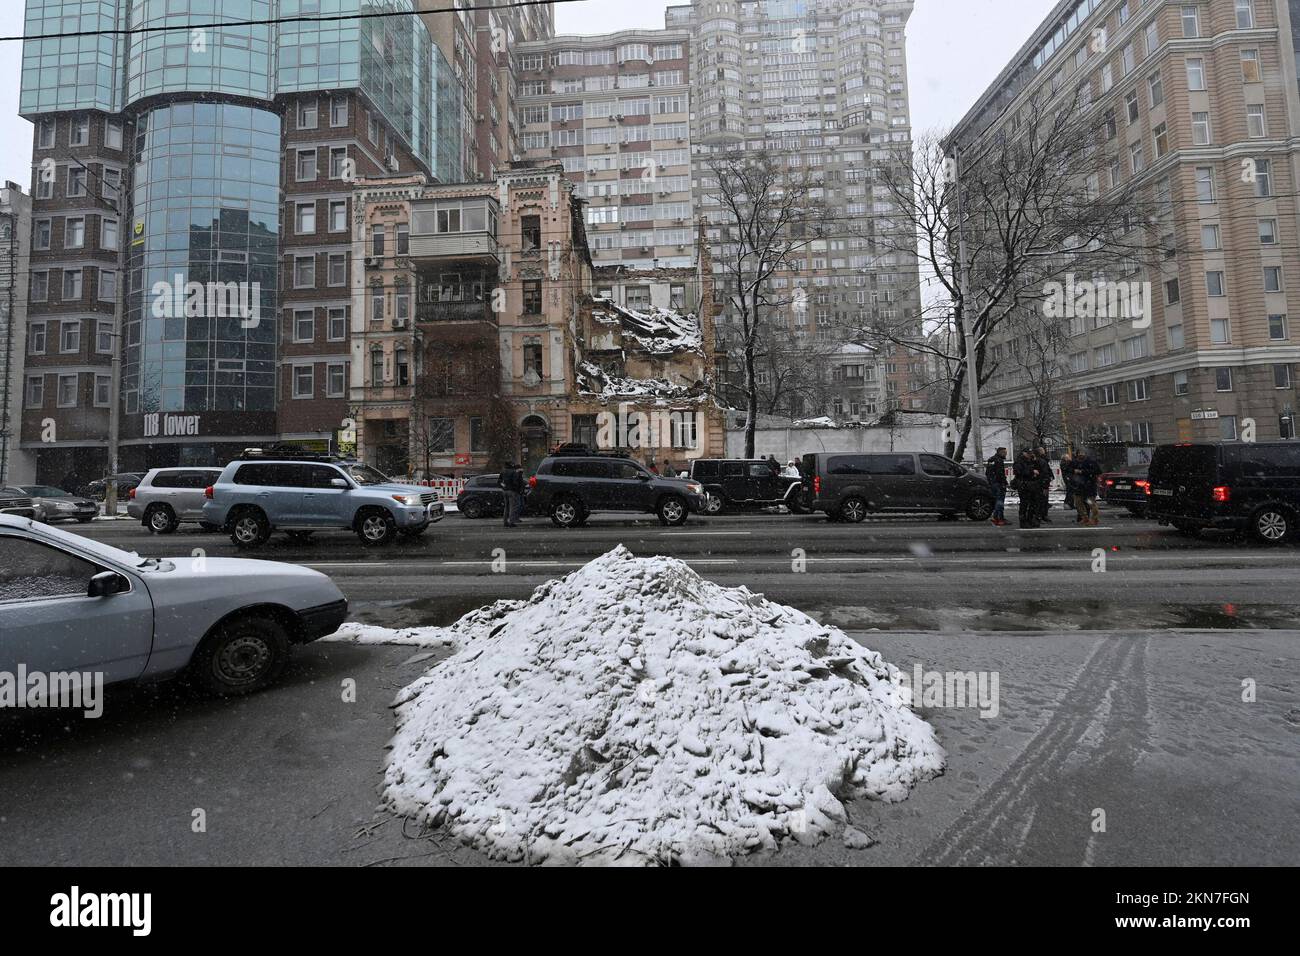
x=634, y=712
x=822, y=422
x=658, y=331
x=594, y=380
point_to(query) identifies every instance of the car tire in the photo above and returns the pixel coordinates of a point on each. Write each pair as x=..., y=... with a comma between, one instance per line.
x=567, y=513
x=853, y=509
x=86, y=519
x=673, y=510
x=979, y=508
x=714, y=503
x=241, y=656
x=299, y=537
x=160, y=519
x=249, y=528
x=472, y=509
x=1272, y=525
x=797, y=505
x=375, y=527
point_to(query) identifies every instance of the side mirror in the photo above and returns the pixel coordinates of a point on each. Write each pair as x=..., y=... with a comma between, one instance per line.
x=642, y=476
x=338, y=483
x=107, y=582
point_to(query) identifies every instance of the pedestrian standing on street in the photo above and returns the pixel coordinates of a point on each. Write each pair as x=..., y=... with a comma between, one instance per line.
x=1086, y=473
x=1067, y=479
x=1028, y=484
x=995, y=470
x=1045, y=471
x=511, y=482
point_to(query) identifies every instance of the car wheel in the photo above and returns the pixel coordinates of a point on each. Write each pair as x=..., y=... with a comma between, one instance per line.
x=714, y=503
x=85, y=519
x=979, y=508
x=375, y=527
x=299, y=536
x=853, y=509
x=566, y=513
x=472, y=509
x=160, y=519
x=241, y=656
x=1271, y=525
x=673, y=510
x=249, y=529
x=797, y=505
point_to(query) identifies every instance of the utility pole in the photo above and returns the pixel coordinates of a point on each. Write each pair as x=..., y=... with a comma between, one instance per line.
x=967, y=316
x=6, y=430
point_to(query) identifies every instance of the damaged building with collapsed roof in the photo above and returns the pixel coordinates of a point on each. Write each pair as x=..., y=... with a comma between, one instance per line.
x=482, y=333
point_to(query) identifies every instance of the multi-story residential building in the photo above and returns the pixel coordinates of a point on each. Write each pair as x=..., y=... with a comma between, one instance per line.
x=822, y=84
x=1199, y=113
x=190, y=210
x=477, y=338
x=16, y=466
x=614, y=110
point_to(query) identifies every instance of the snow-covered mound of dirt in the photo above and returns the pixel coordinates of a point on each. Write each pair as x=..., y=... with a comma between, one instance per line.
x=634, y=712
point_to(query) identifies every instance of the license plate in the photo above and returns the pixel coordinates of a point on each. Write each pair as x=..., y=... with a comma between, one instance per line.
x=1122, y=487
x=1166, y=492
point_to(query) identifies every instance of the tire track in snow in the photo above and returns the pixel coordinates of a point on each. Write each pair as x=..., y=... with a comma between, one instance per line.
x=1038, y=810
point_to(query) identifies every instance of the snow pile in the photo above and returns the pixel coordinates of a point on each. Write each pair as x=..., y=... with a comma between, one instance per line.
x=593, y=380
x=657, y=331
x=635, y=712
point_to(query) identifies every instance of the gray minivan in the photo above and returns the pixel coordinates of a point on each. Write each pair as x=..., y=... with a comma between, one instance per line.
x=167, y=496
x=848, y=486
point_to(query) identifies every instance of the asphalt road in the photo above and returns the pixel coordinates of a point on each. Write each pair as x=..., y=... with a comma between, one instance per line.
x=1121, y=691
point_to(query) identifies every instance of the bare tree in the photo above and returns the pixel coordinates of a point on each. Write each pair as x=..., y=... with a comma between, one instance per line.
x=1033, y=216
x=767, y=217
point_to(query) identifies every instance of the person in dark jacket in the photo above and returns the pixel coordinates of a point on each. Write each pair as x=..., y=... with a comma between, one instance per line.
x=511, y=483
x=1086, y=473
x=1067, y=479
x=1029, y=484
x=995, y=470
x=1045, y=471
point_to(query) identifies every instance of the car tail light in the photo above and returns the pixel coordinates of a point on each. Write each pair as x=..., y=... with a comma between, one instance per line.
x=1222, y=494
x=532, y=481
x=131, y=494
x=1143, y=484
x=207, y=492
x=817, y=485
x=1109, y=482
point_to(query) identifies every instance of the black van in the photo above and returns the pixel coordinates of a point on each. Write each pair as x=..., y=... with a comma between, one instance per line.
x=1239, y=485
x=848, y=486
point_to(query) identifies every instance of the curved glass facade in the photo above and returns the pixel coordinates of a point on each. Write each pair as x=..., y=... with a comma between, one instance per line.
x=205, y=209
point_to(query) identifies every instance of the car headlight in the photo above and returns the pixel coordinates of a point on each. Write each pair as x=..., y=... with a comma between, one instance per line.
x=65, y=506
x=409, y=500
x=697, y=489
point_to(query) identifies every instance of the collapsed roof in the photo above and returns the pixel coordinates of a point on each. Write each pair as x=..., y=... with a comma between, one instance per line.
x=594, y=380
x=657, y=331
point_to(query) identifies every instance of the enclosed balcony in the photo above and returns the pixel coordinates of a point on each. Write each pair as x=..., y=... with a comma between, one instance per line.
x=455, y=229
x=451, y=292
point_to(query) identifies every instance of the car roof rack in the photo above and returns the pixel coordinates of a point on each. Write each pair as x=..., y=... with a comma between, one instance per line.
x=575, y=450
x=292, y=453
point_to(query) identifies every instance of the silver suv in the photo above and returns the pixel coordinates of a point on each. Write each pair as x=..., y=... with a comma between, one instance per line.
x=300, y=494
x=167, y=496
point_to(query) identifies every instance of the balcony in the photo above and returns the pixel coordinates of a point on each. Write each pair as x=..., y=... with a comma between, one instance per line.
x=462, y=229
x=455, y=312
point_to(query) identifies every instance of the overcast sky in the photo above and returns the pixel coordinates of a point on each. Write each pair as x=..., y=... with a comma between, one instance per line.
x=955, y=48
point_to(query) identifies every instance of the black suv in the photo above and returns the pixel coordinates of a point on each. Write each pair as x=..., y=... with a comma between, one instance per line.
x=482, y=497
x=849, y=486
x=743, y=484
x=1243, y=486
x=571, y=485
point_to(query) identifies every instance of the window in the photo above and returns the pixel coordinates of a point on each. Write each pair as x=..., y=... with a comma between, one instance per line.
x=532, y=296
x=1135, y=158
x=1245, y=14
x=1131, y=106
x=76, y=181
x=79, y=131
x=112, y=134
x=1205, y=184
x=1161, y=137
x=35, y=391
x=338, y=162
x=377, y=241
x=377, y=304
x=1175, y=335
x=1210, y=237
x=42, y=231
x=1191, y=21
x=1156, y=88
x=1277, y=328
x=338, y=111
x=1220, y=332
x=104, y=336
x=1171, y=292
x=1272, y=278
x=1103, y=356
x=1152, y=37
x=533, y=355
x=307, y=114
x=1214, y=285
x=336, y=323
x=1181, y=384
x=45, y=133
x=305, y=165
x=1263, y=178
x=36, y=338
x=1256, y=128
x=66, y=396
x=338, y=215
x=1195, y=73
x=336, y=272
x=103, y=384
x=335, y=379
x=74, y=232
x=1250, y=66
x=304, y=223
x=39, y=291
x=1223, y=380
x=108, y=233
x=376, y=367
x=1138, y=390
x=304, y=272
x=1135, y=348
x=71, y=285
x=1141, y=433
x=107, y=285
x=304, y=325
x=304, y=381
x=1228, y=427
x=1281, y=376
x=1201, y=129
x=110, y=180
x=1268, y=232
x=403, y=239
x=1109, y=394
x=401, y=366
